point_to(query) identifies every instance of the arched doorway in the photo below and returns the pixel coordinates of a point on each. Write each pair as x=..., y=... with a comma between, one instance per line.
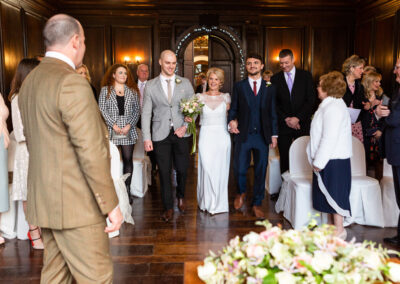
x=200, y=48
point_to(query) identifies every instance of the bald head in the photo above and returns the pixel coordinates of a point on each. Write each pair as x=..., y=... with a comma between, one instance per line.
x=168, y=63
x=59, y=29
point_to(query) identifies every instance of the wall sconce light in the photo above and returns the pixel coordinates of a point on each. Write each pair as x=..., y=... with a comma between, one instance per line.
x=277, y=58
x=127, y=59
x=138, y=59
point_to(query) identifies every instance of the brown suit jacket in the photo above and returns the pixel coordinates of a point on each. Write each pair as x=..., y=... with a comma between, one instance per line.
x=69, y=178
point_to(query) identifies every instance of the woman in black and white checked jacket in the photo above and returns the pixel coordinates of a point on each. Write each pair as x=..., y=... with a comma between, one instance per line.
x=119, y=104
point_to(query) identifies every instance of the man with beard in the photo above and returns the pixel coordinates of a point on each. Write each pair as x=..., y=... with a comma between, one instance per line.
x=253, y=120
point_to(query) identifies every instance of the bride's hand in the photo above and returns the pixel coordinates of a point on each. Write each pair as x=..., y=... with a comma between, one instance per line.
x=188, y=119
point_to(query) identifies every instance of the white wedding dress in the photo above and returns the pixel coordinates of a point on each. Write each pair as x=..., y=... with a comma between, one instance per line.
x=214, y=155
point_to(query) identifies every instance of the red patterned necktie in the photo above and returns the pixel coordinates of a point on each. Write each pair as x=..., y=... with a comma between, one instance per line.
x=255, y=88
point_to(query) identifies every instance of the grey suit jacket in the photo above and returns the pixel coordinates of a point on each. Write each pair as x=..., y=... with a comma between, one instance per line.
x=155, y=103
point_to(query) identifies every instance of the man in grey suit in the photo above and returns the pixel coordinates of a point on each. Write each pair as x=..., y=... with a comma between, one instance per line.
x=168, y=138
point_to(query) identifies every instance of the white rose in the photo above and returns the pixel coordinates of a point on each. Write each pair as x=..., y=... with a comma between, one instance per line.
x=371, y=259
x=206, y=271
x=321, y=261
x=279, y=252
x=285, y=278
x=251, y=238
x=261, y=272
x=394, y=271
x=190, y=110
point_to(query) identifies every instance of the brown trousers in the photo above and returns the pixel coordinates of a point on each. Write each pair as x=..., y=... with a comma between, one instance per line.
x=81, y=253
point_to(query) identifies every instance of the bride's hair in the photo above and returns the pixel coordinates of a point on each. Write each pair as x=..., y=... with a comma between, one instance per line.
x=218, y=72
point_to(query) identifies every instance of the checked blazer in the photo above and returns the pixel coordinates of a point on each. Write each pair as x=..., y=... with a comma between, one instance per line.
x=109, y=109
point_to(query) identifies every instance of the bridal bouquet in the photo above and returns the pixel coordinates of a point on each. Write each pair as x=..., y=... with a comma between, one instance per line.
x=191, y=108
x=307, y=256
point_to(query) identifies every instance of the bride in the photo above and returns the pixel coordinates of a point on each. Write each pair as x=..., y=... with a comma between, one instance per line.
x=214, y=147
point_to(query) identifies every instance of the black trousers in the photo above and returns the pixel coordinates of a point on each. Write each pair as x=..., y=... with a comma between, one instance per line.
x=176, y=150
x=284, y=142
x=396, y=181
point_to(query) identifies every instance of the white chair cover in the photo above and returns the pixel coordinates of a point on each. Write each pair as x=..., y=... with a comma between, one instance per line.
x=273, y=180
x=141, y=176
x=120, y=187
x=390, y=208
x=13, y=222
x=365, y=195
x=295, y=198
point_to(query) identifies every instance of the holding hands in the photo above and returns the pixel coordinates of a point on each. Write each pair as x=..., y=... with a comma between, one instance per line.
x=233, y=127
x=293, y=122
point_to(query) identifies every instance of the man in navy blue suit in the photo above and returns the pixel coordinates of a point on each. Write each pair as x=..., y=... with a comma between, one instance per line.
x=392, y=142
x=253, y=120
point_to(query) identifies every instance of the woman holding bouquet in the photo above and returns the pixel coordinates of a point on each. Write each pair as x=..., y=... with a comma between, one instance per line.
x=214, y=146
x=329, y=151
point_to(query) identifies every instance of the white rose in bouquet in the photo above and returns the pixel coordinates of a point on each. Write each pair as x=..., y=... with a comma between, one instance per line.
x=321, y=261
x=394, y=271
x=285, y=278
x=206, y=271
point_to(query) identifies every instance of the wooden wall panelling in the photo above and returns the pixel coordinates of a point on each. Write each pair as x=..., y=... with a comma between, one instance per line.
x=278, y=38
x=34, y=35
x=13, y=42
x=384, y=50
x=132, y=41
x=253, y=38
x=330, y=48
x=363, y=40
x=95, y=54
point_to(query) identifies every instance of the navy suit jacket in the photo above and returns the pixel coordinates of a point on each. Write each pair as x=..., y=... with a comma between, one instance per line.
x=240, y=109
x=392, y=133
x=300, y=103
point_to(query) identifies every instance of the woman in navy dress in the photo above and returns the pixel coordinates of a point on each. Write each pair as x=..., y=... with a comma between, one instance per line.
x=329, y=151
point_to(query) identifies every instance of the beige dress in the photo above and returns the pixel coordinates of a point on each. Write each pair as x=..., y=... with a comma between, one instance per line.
x=21, y=162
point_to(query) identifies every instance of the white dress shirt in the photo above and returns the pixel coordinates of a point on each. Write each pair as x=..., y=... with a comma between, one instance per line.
x=252, y=84
x=164, y=84
x=330, y=133
x=292, y=73
x=58, y=55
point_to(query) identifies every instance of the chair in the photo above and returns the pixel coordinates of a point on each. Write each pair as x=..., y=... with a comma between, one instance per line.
x=141, y=176
x=13, y=223
x=273, y=180
x=390, y=208
x=295, y=198
x=365, y=195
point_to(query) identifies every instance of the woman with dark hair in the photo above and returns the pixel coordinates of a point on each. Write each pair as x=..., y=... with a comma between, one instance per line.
x=119, y=105
x=21, y=162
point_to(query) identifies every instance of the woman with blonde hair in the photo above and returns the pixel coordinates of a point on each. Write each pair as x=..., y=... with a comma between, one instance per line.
x=352, y=69
x=119, y=105
x=214, y=146
x=83, y=70
x=329, y=151
x=372, y=127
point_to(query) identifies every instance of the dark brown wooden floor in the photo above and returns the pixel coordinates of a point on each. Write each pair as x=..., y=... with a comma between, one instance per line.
x=153, y=251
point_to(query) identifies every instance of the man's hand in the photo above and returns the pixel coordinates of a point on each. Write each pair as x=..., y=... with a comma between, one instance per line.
x=116, y=219
x=293, y=122
x=126, y=129
x=377, y=134
x=188, y=119
x=382, y=111
x=233, y=124
x=148, y=145
x=274, y=142
x=367, y=105
x=180, y=132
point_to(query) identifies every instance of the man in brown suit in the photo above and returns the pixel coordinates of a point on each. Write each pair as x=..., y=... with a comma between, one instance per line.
x=70, y=189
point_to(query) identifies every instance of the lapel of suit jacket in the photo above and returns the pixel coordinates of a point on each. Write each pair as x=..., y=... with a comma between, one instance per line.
x=177, y=89
x=247, y=91
x=282, y=80
x=128, y=97
x=263, y=91
x=161, y=92
x=113, y=97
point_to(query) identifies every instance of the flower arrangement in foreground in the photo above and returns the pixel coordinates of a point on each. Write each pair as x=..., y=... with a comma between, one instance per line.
x=192, y=108
x=313, y=255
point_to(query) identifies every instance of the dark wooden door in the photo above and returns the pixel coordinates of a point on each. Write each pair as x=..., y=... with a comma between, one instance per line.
x=220, y=55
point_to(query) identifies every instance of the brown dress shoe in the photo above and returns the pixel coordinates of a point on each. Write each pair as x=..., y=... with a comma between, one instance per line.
x=181, y=205
x=167, y=215
x=257, y=210
x=239, y=201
